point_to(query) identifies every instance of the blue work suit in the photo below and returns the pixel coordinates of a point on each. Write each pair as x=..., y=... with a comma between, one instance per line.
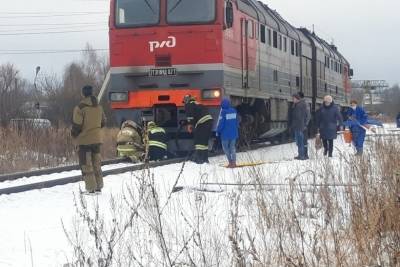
x=357, y=118
x=227, y=129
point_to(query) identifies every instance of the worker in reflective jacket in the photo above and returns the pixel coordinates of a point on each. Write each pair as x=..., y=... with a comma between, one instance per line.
x=200, y=122
x=129, y=141
x=157, y=142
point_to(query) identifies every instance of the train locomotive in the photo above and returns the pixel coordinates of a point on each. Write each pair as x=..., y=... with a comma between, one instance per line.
x=162, y=50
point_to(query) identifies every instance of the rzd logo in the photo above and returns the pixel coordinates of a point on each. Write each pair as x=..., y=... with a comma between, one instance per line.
x=171, y=42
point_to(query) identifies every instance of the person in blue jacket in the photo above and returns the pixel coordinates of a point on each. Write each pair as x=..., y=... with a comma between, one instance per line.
x=357, y=123
x=398, y=120
x=227, y=129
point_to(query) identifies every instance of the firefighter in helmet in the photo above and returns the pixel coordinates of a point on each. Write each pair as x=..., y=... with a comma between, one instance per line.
x=129, y=141
x=200, y=122
x=157, y=142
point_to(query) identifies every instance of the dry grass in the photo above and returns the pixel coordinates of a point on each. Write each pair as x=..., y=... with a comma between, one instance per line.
x=330, y=213
x=27, y=149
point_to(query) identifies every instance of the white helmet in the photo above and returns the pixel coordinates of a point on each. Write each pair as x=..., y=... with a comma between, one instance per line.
x=130, y=123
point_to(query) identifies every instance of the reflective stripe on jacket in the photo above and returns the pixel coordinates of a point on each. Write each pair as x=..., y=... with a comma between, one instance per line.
x=158, y=144
x=203, y=120
x=157, y=137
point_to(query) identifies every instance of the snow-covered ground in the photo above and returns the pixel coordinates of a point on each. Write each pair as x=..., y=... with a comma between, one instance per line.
x=31, y=231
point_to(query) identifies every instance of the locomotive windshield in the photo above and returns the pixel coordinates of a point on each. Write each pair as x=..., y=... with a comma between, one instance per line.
x=131, y=13
x=190, y=11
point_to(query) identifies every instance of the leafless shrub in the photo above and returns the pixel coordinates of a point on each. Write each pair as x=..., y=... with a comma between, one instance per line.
x=341, y=212
x=25, y=149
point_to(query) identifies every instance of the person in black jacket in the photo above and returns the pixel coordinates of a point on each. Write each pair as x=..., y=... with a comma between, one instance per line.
x=200, y=122
x=328, y=120
x=398, y=120
x=300, y=118
x=305, y=132
x=157, y=142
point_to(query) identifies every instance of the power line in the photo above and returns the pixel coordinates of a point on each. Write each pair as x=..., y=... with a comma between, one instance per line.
x=51, y=15
x=51, y=12
x=55, y=32
x=33, y=52
x=51, y=28
x=51, y=24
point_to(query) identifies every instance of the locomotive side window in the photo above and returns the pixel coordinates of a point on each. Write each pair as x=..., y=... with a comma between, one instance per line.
x=133, y=13
x=262, y=33
x=179, y=11
x=275, y=39
x=229, y=15
x=292, y=47
x=250, y=29
x=285, y=44
x=280, y=42
x=275, y=75
x=269, y=37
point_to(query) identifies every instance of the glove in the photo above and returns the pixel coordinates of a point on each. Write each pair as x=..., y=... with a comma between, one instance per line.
x=190, y=128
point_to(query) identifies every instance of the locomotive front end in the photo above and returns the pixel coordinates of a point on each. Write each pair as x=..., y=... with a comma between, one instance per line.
x=161, y=51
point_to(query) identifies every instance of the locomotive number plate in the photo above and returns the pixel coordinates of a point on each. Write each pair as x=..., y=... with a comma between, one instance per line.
x=162, y=72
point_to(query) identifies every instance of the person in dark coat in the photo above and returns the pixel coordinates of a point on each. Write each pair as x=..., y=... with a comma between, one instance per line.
x=357, y=122
x=200, y=122
x=328, y=120
x=300, y=118
x=227, y=129
x=305, y=132
x=398, y=120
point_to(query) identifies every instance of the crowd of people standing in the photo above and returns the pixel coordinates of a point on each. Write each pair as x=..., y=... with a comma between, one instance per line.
x=151, y=143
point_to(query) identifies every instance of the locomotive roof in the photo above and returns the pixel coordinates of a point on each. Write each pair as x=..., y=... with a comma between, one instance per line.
x=264, y=14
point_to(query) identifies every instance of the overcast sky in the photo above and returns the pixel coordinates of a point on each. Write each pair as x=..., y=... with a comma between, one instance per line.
x=365, y=31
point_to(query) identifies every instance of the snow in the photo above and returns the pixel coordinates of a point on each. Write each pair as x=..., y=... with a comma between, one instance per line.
x=49, y=177
x=31, y=222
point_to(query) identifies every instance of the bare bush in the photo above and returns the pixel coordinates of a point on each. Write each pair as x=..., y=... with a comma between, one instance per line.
x=13, y=94
x=326, y=213
x=28, y=148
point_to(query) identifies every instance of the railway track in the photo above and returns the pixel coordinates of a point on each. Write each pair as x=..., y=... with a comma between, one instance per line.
x=28, y=186
x=76, y=178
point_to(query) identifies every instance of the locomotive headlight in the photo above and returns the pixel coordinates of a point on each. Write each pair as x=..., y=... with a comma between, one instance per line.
x=211, y=93
x=119, y=97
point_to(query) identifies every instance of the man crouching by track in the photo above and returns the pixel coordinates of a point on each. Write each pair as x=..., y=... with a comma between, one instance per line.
x=129, y=141
x=198, y=115
x=87, y=123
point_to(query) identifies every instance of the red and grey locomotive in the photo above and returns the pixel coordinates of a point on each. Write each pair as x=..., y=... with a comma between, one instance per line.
x=162, y=50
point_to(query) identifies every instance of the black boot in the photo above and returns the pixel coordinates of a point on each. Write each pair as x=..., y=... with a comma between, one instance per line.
x=205, y=156
x=306, y=152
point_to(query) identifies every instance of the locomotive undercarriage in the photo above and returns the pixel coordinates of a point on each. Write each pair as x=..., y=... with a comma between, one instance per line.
x=262, y=119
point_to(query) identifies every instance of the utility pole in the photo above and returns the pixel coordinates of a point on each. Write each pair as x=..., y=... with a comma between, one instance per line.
x=373, y=90
x=37, y=104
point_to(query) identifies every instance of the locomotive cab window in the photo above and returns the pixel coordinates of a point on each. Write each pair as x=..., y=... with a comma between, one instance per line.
x=179, y=12
x=134, y=13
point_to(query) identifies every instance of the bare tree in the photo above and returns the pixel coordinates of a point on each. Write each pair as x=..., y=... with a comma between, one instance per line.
x=62, y=95
x=391, y=98
x=12, y=93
